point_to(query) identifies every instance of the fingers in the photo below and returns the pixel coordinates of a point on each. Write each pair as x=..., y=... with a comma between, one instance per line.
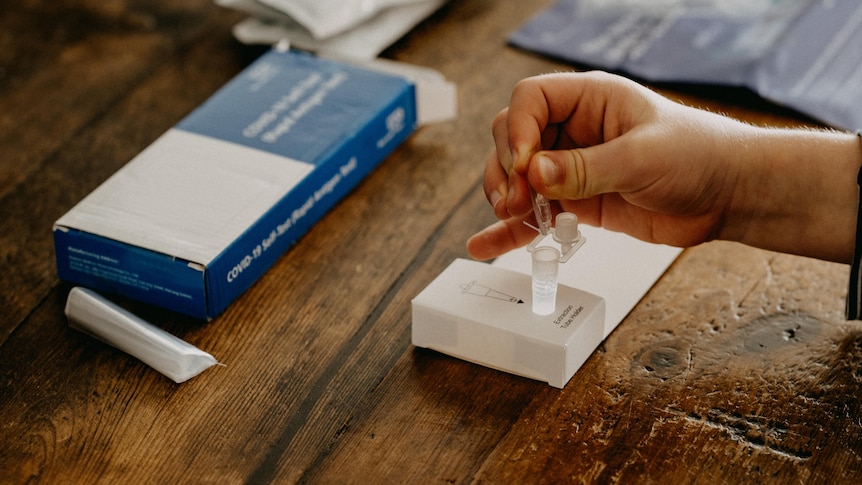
x=526, y=119
x=500, y=132
x=589, y=108
x=582, y=173
x=561, y=135
x=507, y=194
x=567, y=112
x=505, y=188
x=499, y=238
x=496, y=186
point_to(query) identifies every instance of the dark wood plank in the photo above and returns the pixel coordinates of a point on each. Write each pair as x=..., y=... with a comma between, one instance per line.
x=736, y=367
x=706, y=382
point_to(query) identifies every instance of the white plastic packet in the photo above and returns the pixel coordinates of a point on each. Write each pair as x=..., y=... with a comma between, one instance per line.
x=358, y=37
x=436, y=98
x=92, y=314
x=327, y=18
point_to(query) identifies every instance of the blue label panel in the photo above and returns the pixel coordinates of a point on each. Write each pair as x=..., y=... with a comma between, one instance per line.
x=336, y=174
x=106, y=265
x=293, y=104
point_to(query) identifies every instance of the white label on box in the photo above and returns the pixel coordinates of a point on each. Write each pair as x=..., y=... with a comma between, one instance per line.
x=187, y=196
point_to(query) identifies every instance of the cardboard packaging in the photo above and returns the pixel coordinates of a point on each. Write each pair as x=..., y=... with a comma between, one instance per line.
x=193, y=220
x=483, y=314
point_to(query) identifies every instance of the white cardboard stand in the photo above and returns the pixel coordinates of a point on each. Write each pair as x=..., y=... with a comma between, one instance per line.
x=483, y=314
x=471, y=310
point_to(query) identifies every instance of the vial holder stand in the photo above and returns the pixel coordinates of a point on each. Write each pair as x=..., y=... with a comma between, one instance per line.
x=546, y=259
x=485, y=314
x=481, y=313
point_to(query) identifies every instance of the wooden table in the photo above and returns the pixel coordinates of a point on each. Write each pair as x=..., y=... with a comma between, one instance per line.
x=736, y=367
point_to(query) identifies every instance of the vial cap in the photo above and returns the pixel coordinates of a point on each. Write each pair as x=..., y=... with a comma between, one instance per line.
x=566, y=231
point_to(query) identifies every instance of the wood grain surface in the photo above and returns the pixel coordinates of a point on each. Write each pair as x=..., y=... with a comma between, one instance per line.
x=736, y=367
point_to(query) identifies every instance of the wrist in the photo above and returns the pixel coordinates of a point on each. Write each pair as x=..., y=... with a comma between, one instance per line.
x=797, y=193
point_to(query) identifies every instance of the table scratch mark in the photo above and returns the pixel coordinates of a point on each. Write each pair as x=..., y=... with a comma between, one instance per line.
x=752, y=431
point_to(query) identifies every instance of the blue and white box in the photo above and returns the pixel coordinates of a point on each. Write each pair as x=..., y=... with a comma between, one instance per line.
x=193, y=220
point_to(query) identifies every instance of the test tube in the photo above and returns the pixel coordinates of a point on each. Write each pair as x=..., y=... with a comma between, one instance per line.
x=546, y=262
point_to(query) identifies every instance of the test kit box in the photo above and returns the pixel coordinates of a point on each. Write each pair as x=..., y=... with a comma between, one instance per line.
x=193, y=220
x=483, y=314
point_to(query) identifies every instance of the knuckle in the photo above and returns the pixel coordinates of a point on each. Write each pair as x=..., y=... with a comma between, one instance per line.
x=577, y=179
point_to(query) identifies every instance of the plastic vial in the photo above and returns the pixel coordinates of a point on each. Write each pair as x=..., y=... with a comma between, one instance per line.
x=546, y=262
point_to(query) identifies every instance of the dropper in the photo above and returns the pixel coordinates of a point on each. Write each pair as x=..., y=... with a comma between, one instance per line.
x=542, y=211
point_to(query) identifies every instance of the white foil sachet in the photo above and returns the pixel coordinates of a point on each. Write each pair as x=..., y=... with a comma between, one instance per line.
x=92, y=314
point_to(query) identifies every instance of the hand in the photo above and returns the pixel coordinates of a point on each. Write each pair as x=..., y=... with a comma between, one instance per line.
x=623, y=157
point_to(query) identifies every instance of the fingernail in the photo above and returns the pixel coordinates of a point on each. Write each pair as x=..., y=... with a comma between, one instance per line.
x=494, y=198
x=511, y=192
x=548, y=170
x=517, y=154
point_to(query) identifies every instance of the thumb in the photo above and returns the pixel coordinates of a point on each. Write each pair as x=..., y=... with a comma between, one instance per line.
x=578, y=173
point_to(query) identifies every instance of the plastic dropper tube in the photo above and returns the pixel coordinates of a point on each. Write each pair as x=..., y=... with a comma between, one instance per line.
x=542, y=211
